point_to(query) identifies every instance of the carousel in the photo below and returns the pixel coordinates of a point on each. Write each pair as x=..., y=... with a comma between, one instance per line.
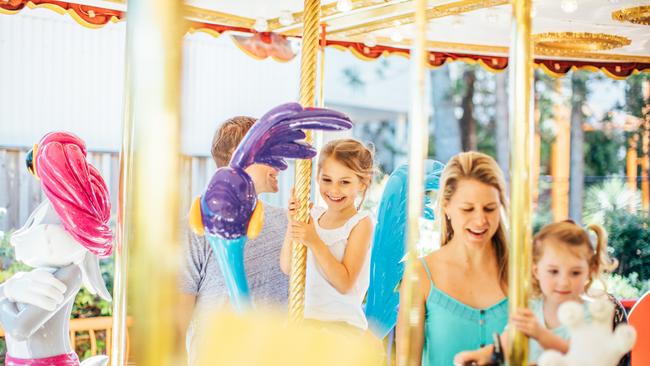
x=519, y=36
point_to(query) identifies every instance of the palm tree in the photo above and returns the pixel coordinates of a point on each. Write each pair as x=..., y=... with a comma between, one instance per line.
x=612, y=195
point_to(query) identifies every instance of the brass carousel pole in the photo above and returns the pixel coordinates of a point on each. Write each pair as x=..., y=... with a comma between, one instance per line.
x=418, y=141
x=521, y=129
x=309, y=60
x=124, y=234
x=154, y=39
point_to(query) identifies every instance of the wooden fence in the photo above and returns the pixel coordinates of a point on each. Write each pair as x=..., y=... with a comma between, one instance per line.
x=20, y=192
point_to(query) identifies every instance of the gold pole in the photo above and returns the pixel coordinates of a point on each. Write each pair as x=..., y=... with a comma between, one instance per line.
x=308, y=65
x=418, y=141
x=521, y=128
x=154, y=39
x=124, y=235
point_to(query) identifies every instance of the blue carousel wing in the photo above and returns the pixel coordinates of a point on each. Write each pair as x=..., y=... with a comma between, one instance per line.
x=389, y=246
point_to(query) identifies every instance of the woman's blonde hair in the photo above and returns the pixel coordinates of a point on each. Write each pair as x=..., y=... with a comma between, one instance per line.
x=476, y=166
x=577, y=240
x=352, y=154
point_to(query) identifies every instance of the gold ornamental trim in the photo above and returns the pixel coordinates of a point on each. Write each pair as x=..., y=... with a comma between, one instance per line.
x=491, y=50
x=217, y=17
x=330, y=13
x=439, y=11
x=568, y=42
x=636, y=15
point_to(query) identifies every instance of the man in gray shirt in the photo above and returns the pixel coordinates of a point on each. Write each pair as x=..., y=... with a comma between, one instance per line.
x=202, y=285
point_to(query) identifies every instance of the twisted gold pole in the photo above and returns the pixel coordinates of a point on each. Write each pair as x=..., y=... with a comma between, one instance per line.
x=311, y=17
x=418, y=142
x=154, y=40
x=521, y=128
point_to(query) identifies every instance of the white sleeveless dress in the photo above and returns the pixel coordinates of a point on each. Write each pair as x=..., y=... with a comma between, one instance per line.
x=322, y=301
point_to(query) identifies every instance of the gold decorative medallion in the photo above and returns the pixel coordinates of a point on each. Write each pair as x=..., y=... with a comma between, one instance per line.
x=568, y=42
x=636, y=15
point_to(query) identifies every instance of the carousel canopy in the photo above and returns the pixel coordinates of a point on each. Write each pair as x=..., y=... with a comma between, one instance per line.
x=610, y=35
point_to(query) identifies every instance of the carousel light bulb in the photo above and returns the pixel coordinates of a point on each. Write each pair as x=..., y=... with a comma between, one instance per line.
x=569, y=6
x=286, y=18
x=344, y=5
x=261, y=25
x=370, y=40
x=396, y=36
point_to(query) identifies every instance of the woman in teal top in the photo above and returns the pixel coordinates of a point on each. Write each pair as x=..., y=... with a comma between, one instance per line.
x=461, y=294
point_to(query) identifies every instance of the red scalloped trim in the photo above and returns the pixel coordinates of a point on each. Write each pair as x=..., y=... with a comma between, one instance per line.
x=90, y=14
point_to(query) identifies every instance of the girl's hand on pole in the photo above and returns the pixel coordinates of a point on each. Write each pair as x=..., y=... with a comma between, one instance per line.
x=304, y=232
x=526, y=322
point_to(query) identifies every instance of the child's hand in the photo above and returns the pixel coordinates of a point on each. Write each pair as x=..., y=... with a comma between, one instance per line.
x=476, y=357
x=303, y=232
x=292, y=207
x=525, y=321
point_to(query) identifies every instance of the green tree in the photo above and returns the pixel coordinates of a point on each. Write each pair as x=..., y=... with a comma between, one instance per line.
x=629, y=240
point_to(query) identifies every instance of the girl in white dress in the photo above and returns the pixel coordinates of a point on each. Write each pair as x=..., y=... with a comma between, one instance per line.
x=337, y=238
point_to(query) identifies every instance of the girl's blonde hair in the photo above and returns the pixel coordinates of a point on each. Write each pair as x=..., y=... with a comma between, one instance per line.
x=352, y=154
x=476, y=166
x=577, y=240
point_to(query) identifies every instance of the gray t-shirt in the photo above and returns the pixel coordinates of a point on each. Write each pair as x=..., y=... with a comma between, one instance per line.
x=201, y=275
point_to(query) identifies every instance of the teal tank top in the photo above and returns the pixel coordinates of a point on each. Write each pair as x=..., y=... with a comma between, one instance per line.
x=451, y=326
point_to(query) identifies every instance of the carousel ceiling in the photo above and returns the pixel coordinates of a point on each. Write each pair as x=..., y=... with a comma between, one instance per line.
x=614, y=30
x=592, y=31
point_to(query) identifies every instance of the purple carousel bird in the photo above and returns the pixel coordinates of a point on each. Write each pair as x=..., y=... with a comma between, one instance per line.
x=229, y=213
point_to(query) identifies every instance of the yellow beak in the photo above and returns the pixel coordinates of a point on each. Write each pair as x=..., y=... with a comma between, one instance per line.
x=256, y=222
x=196, y=221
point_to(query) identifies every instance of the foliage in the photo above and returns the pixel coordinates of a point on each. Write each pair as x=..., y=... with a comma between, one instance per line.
x=542, y=214
x=634, y=95
x=546, y=97
x=629, y=242
x=630, y=287
x=603, y=155
x=612, y=195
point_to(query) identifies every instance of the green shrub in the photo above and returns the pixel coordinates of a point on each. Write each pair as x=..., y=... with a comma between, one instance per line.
x=629, y=242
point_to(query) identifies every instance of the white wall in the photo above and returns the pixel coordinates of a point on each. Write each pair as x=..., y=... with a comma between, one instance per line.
x=58, y=75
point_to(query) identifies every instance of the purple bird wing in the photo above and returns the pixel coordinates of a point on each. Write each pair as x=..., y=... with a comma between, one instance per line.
x=278, y=135
x=228, y=202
